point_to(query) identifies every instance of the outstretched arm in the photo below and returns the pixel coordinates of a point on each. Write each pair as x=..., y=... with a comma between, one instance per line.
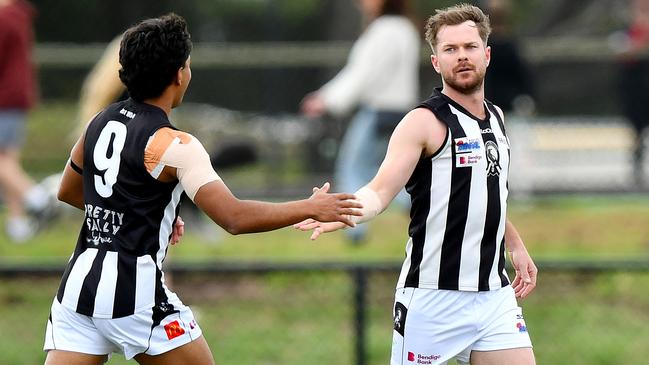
x=175, y=155
x=418, y=134
x=525, y=279
x=246, y=216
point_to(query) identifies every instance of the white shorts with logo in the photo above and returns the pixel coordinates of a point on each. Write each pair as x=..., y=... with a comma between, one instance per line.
x=434, y=326
x=135, y=334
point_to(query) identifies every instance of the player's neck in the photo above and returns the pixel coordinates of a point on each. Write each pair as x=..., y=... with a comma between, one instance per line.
x=473, y=102
x=163, y=102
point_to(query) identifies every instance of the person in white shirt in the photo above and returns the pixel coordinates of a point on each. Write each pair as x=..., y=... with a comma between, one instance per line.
x=381, y=78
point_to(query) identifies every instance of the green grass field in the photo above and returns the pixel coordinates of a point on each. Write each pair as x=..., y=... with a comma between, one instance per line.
x=610, y=227
x=296, y=318
x=308, y=318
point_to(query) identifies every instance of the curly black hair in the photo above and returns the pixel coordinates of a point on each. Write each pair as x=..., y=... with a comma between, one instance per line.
x=151, y=52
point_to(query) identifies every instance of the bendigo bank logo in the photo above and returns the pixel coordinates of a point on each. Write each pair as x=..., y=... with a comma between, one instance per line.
x=422, y=359
x=174, y=330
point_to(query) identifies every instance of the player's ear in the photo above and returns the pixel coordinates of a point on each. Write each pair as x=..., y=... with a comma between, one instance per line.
x=435, y=62
x=179, y=76
x=488, y=54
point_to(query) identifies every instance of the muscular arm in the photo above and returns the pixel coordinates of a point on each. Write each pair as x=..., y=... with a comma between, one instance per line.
x=247, y=216
x=419, y=134
x=71, y=188
x=177, y=155
x=526, y=272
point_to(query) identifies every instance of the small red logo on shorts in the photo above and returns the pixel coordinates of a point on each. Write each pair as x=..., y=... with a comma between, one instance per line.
x=174, y=330
x=411, y=356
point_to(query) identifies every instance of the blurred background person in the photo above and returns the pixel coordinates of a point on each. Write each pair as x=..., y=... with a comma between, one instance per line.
x=17, y=96
x=102, y=86
x=510, y=86
x=510, y=82
x=632, y=47
x=381, y=79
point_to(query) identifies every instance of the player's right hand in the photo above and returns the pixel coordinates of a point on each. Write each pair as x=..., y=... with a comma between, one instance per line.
x=338, y=207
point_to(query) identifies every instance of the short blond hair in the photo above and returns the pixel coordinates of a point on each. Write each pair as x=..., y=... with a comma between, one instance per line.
x=455, y=15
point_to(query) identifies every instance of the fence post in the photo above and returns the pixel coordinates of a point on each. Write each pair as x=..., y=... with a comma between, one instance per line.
x=360, y=295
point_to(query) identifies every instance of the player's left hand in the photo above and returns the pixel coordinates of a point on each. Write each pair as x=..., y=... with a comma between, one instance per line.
x=313, y=105
x=318, y=227
x=178, y=231
x=525, y=279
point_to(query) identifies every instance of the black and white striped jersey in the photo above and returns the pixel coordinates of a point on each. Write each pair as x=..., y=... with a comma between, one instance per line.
x=459, y=204
x=116, y=268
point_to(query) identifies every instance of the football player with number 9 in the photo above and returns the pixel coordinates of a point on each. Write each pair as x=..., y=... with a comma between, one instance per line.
x=127, y=173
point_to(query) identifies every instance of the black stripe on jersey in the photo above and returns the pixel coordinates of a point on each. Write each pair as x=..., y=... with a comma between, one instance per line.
x=86, y=304
x=501, y=260
x=124, y=303
x=419, y=189
x=458, y=211
x=501, y=123
x=492, y=219
x=160, y=294
x=504, y=281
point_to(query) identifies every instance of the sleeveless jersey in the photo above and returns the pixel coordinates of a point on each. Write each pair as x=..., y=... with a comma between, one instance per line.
x=459, y=204
x=116, y=267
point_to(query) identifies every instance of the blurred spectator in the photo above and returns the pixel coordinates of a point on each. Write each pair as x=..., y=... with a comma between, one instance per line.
x=381, y=79
x=509, y=80
x=17, y=96
x=632, y=47
x=102, y=86
x=509, y=85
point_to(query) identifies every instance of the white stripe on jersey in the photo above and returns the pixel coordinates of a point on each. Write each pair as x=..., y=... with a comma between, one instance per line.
x=145, y=283
x=494, y=281
x=477, y=211
x=77, y=275
x=107, y=284
x=167, y=223
x=166, y=227
x=406, y=263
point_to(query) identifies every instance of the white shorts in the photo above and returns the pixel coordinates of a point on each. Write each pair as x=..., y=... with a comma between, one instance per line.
x=135, y=334
x=434, y=326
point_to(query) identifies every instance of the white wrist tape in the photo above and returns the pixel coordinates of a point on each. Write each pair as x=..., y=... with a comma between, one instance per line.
x=371, y=202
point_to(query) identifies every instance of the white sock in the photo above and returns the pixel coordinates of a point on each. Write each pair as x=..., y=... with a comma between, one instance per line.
x=19, y=229
x=36, y=198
